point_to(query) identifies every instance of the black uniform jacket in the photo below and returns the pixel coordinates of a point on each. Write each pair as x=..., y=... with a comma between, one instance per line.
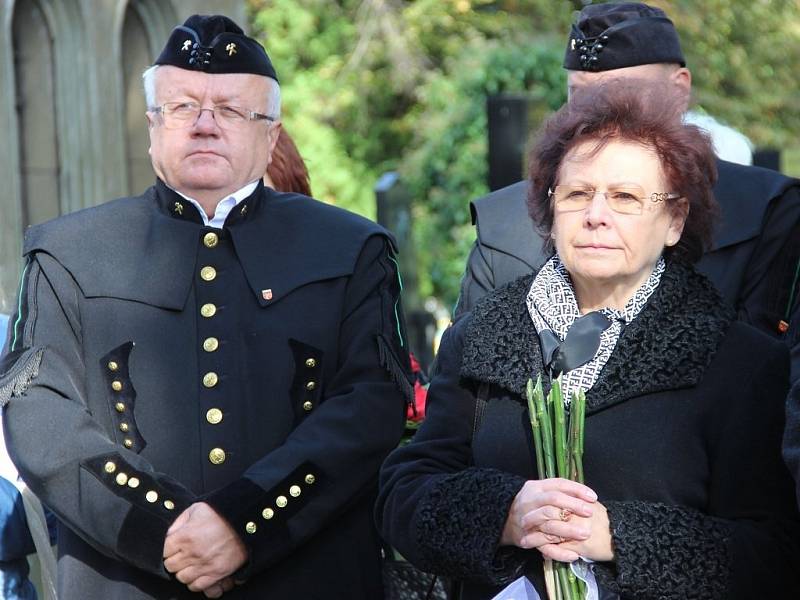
x=752, y=262
x=155, y=362
x=682, y=446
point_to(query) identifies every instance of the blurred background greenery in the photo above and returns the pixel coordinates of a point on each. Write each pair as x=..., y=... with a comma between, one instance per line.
x=371, y=86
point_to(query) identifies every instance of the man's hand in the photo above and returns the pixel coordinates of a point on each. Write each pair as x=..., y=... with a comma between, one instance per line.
x=203, y=550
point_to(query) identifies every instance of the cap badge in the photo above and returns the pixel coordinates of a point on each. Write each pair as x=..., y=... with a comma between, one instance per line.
x=572, y=44
x=591, y=48
x=231, y=48
x=186, y=45
x=266, y=294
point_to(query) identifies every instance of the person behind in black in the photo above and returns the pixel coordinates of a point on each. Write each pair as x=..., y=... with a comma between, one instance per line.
x=756, y=246
x=686, y=495
x=203, y=381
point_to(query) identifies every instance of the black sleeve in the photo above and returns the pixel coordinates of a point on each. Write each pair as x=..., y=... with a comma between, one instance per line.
x=108, y=495
x=745, y=543
x=441, y=513
x=770, y=282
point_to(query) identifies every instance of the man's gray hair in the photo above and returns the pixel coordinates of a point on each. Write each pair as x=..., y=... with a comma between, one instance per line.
x=273, y=92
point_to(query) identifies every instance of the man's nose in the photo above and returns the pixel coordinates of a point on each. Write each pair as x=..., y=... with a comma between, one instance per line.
x=206, y=123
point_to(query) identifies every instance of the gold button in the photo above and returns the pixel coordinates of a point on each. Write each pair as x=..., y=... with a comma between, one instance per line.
x=210, y=344
x=120, y=407
x=216, y=456
x=250, y=527
x=281, y=501
x=169, y=504
x=210, y=379
x=214, y=416
x=110, y=467
x=311, y=363
x=123, y=427
x=208, y=310
x=133, y=482
x=116, y=385
x=294, y=491
x=112, y=366
x=307, y=405
x=208, y=273
x=267, y=513
x=210, y=239
x=128, y=443
x=310, y=479
x=122, y=478
x=310, y=385
x=151, y=496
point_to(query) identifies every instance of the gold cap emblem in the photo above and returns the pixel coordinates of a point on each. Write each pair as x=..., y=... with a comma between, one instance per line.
x=231, y=48
x=186, y=45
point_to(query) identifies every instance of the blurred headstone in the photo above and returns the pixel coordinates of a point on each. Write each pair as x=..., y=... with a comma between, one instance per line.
x=769, y=158
x=508, y=133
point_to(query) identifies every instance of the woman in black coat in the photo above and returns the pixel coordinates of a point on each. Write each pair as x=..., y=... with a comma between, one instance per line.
x=686, y=495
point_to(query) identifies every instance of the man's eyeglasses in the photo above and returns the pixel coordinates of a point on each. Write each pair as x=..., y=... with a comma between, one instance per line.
x=177, y=115
x=626, y=200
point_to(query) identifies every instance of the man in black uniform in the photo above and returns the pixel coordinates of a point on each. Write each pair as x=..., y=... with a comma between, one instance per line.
x=202, y=381
x=757, y=242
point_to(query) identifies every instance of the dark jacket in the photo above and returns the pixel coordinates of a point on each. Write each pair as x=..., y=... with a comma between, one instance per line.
x=682, y=446
x=156, y=362
x=752, y=262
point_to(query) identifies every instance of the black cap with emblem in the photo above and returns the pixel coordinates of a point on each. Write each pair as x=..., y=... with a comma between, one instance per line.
x=621, y=34
x=215, y=44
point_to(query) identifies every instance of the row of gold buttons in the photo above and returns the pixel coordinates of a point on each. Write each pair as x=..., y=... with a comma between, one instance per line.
x=133, y=482
x=310, y=386
x=281, y=502
x=213, y=415
x=117, y=386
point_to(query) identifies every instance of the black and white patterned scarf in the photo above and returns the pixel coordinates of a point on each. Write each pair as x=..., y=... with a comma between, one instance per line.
x=552, y=305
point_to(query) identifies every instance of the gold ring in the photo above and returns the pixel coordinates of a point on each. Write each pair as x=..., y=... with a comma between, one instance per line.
x=564, y=514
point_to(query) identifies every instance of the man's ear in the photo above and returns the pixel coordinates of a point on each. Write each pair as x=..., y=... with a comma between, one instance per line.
x=274, y=133
x=681, y=78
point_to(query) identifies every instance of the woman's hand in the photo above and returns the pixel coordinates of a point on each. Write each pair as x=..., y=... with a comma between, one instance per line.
x=597, y=546
x=542, y=515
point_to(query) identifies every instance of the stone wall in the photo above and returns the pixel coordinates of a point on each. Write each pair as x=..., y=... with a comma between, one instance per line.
x=71, y=109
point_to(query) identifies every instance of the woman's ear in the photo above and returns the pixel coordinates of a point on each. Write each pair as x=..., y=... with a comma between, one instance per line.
x=678, y=214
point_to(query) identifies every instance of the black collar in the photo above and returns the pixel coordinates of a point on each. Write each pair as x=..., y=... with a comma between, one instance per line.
x=668, y=346
x=176, y=206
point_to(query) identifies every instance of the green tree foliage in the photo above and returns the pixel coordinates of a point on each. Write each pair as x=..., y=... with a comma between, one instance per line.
x=745, y=60
x=377, y=85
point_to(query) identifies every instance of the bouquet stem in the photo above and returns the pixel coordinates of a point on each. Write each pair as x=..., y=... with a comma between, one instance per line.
x=559, y=453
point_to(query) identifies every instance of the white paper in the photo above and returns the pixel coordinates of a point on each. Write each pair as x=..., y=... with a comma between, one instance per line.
x=521, y=589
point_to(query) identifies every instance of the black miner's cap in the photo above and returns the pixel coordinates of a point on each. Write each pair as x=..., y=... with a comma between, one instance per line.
x=621, y=34
x=215, y=44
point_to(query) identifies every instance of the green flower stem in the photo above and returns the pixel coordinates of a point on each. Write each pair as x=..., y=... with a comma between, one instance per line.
x=559, y=425
x=563, y=580
x=543, y=416
x=579, y=411
x=533, y=393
